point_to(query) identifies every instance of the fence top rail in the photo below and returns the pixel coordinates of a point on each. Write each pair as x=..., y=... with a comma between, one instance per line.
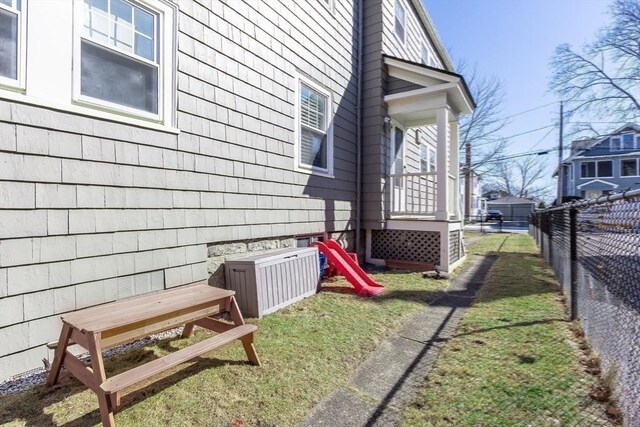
x=599, y=200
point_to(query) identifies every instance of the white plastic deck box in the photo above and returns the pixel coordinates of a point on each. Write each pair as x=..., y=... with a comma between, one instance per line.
x=268, y=282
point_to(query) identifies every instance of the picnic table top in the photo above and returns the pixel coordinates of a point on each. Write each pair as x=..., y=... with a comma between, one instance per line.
x=143, y=307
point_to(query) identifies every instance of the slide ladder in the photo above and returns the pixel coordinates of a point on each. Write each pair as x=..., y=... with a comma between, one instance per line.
x=340, y=259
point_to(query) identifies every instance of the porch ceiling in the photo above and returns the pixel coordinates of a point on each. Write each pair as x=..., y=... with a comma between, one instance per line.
x=438, y=89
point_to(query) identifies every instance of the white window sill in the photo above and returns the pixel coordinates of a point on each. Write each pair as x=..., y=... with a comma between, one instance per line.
x=314, y=172
x=84, y=110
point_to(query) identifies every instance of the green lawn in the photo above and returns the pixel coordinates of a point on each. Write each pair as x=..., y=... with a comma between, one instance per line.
x=306, y=350
x=512, y=360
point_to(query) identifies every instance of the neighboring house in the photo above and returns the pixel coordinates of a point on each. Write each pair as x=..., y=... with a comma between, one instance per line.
x=477, y=203
x=513, y=208
x=142, y=142
x=604, y=165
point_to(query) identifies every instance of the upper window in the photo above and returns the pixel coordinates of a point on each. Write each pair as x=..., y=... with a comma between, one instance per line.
x=11, y=36
x=600, y=169
x=615, y=144
x=424, y=164
x=119, y=58
x=315, y=151
x=400, y=20
x=424, y=55
x=627, y=141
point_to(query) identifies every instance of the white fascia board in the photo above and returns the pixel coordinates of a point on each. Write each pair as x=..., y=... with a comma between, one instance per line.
x=611, y=184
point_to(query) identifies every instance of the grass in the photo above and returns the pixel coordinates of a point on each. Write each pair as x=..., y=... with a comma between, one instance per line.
x=306, y=350
x=512, y=360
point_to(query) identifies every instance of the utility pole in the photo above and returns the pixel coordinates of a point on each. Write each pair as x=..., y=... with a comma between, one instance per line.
x=560, y=148
x=467, y=182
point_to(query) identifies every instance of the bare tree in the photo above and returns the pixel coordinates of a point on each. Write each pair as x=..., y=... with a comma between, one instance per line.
x=479, y=132
x=522, y=177
x=603, y=78
x=481, y=129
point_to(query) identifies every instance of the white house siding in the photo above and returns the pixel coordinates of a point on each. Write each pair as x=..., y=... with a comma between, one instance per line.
x=92, y=211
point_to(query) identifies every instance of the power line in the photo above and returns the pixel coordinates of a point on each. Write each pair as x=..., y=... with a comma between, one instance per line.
x=530, y=110
x=515, y=156
x=528, y=132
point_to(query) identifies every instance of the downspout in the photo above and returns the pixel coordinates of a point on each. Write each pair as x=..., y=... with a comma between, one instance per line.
x=359, y=130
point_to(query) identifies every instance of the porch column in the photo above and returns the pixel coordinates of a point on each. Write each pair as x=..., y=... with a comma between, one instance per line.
x=454, y=165
x=442, y=165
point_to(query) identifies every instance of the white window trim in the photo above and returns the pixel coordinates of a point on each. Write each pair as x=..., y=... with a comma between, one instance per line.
x=633, y=141
x=637, y=168
x=423, y=49
x=597, y=167
x=404, y=24
x=19, y=83
x=298, y=165
x=166, y=64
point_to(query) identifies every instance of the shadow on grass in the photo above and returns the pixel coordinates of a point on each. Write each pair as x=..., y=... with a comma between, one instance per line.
x=31, y=406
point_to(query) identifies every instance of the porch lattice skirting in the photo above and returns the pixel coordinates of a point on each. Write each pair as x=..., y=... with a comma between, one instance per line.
x=455, y=252
x=405, y=245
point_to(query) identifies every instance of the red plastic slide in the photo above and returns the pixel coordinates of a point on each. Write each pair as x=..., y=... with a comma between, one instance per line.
x=363, y=284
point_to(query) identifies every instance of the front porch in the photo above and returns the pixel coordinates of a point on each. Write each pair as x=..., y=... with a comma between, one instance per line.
x=422, y=222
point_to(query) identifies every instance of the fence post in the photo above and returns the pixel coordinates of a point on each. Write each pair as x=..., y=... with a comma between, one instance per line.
x=573, y=238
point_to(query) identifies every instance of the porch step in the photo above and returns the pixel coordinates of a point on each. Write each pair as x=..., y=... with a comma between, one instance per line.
x=408, y=265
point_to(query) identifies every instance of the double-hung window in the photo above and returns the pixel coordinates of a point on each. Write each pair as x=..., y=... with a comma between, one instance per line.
x=424, y=55
x=119, y=64
x=400, y=20
x=432, y=160
x=12, y=27
x=315, y=139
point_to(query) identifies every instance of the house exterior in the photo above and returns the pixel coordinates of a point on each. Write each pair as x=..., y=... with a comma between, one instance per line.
x=513, y=208
x=605, y=165
x=146, y=141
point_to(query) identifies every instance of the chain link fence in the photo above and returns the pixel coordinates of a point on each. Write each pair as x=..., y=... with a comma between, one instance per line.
x=594, y=249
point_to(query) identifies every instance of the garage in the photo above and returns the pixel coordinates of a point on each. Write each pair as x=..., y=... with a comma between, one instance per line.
x=513, y=208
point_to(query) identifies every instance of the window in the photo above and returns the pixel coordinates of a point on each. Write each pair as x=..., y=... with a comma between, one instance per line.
x=615, y=144
x=629, y=167
x=315, y=151
x=424, y=55
x=11, y=36
x=627, y=141
x=119, y=60
x=600, y=169
x=424, y=165
x=305, y=242
x=400, y=20
x=432, y=160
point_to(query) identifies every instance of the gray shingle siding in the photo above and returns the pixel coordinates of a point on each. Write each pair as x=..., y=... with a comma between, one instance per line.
x=94, y=210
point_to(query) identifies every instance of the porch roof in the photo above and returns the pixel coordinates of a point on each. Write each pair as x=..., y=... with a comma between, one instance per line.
x=435, y=89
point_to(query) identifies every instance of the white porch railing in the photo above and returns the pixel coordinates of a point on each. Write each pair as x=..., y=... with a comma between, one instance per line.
x=413, y=193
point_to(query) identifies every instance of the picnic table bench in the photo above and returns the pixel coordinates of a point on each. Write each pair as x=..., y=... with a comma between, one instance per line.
x=98, y=328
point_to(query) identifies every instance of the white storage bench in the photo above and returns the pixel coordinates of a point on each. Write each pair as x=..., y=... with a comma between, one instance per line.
x=268, y=282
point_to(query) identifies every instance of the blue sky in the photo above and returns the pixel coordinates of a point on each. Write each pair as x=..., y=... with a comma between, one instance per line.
x=514, y=40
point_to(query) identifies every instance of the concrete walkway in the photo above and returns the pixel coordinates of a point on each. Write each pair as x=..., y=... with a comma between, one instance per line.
x=389, y=379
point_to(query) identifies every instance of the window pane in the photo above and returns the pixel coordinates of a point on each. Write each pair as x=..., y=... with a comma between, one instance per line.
x=122, y=11
x=588, y=170
x=605, y=168
x=423, y=55
x=8, y=45
x=313, y=149
x=6, y=2
x=122, y=36
x=115, y=78
x=424, y=166
x=399, y=20
x=432, y=161
x=312, y=108
x=627, y=141
x=144, y=22
x=629, y=168
x=144, y=47
x=96, y=25
x=97, y=5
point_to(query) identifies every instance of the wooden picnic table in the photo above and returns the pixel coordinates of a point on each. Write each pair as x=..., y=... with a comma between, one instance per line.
x=98, y=328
